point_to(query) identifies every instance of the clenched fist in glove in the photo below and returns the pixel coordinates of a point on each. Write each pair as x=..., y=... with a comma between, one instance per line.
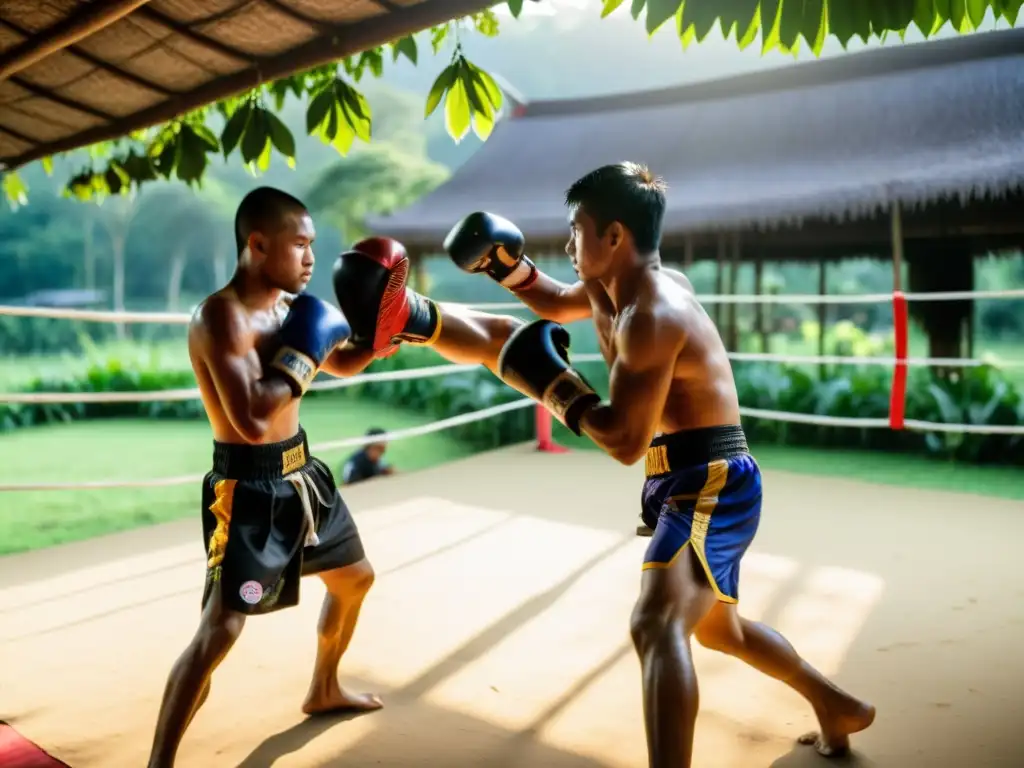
x=483, y=242
x=535, y=360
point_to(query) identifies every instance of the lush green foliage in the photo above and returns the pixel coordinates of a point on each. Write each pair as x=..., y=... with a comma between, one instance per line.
x=338, y=114
x=982, y=395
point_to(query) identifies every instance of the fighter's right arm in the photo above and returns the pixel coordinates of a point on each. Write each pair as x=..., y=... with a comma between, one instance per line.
x=483, y=242
x=226, y=349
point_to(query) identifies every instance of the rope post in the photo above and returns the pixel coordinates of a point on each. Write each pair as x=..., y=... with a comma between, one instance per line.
x=898, y=393
x=545, y=442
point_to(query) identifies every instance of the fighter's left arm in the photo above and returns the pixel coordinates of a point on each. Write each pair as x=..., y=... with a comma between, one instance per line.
x=647, y=348
x=347, y=361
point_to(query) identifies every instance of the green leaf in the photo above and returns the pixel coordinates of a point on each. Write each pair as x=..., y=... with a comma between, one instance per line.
x=206, y=136
x=235, y=127
x=487, y=84
x=841, y=21
x=610, y=6
x=405, y=47
x=437, y=36
x=976, y=11
x=138, y=167
x=190, y=161
x=901, y=14
x=478, y=102
x=515, y=7
x=355, y=110
x=444, y=81
x=636, y=8
x=15, y=190
x=770, y=12
x=486, y=23
x=748, y=20
x=318, y=109
x=344, y=135
x=958, y=14
x=924, y=16
x=1010, y=10
x=280, y=136
x=790, y=19
x=457, y=116
x=814, y=27
x=702, y=14
x=660, y=11
x=263, y=161
x=47, y=163
x=255, y=137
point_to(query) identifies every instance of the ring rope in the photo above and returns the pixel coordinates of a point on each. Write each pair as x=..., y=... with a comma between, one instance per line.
x=181, y=318
x=348, y=442
x=484, y=413
x=181, y=395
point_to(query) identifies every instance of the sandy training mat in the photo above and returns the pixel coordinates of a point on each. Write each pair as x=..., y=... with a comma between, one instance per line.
x=497, y=630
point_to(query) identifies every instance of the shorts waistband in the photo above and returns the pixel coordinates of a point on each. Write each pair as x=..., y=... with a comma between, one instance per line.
x=693, y=447
x=261, y=462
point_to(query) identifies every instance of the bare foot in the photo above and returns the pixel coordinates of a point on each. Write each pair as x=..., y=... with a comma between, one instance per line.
x=337, y=701
x=837, y=720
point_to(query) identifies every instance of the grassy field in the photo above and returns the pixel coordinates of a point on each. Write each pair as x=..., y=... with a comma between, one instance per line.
x=102, y=450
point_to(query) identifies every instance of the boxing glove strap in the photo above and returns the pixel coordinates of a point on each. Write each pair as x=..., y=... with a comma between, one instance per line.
x=298, y=367
x=424, y=324
x=568, y=397
x=522, y=275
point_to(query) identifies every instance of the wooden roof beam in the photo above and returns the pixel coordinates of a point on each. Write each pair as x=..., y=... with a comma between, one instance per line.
x=349, y=39
x=88, y=19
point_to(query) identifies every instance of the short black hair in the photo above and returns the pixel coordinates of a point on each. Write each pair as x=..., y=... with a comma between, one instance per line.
x=625, y=192
x=261, y=210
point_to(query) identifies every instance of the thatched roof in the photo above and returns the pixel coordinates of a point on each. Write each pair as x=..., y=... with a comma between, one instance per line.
x=832, y=138
x=74, y=72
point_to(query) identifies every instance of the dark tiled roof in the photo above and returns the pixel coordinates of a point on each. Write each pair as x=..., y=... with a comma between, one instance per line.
x=832, y=138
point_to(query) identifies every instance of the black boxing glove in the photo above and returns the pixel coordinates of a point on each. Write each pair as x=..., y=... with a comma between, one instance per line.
x=483, y=242
x=535, y=360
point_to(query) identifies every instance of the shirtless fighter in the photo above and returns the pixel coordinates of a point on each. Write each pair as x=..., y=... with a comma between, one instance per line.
x=271, y=512
x=672, y=401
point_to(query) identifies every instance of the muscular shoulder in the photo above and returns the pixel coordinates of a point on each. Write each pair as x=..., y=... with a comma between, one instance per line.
x=650, y=332
x=221, y=319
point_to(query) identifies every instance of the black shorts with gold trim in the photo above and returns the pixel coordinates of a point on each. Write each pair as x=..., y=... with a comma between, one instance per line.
x=703, y=488
x=272, y=514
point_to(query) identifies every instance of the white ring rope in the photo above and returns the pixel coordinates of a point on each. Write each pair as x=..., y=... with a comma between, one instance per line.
x=348, y=442
x=182, y=395
x=173, y=395
x=181, y=318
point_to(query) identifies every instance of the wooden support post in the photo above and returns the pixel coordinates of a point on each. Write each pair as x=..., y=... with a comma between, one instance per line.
x=896, y=226
x=760, y=307
x=734, y=270
x=720, y=257
x=822, y=316
x=688, y=252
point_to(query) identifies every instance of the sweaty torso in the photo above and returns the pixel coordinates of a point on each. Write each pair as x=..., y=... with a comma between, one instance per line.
x=703, y=391
x=260, y=326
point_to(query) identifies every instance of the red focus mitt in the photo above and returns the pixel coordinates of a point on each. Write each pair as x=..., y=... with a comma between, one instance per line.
x=370, y=285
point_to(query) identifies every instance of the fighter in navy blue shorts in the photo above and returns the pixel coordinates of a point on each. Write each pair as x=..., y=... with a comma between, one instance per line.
x=672, y=401
x=703, y=490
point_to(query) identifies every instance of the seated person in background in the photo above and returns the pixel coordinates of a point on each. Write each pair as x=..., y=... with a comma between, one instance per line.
x=368, y=461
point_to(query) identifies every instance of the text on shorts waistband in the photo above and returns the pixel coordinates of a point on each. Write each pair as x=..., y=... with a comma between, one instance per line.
x=261, y=462
x=693, y=447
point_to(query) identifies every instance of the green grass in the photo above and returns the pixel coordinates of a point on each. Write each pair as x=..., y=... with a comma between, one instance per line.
x=121, y=449
x=906, y=471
